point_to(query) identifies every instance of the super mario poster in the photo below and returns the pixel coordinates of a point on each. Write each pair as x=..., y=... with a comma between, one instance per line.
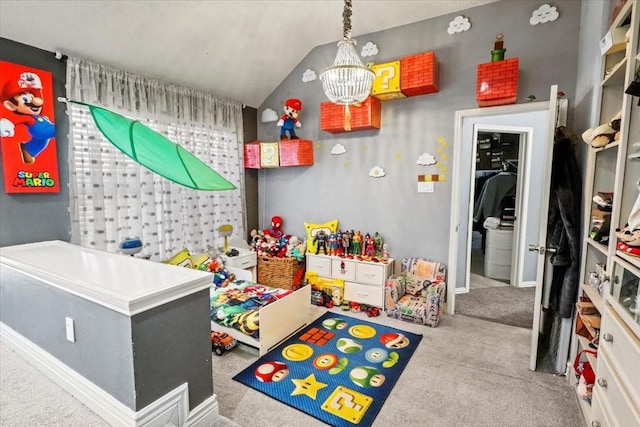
x=27, y=130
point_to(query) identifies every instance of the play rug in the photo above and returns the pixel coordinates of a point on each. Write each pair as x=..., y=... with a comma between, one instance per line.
x=339, y=369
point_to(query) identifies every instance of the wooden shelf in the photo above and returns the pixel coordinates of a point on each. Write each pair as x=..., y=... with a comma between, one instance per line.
x=633, y=260
x=616, y=75
x=584, y=345
x=594, y=296
x=603, y=249
x=614, y=144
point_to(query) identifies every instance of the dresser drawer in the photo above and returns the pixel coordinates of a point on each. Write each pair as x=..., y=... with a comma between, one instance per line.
x=364, y=294
x=344, y=269
x=499, y=239
x=623, y=349
x=613, y=396
x=371, y=273
x=319, y=264
x=600, y=413
x=244, y=260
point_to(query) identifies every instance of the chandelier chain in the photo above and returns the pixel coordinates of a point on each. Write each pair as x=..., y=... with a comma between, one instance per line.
x=346, y=19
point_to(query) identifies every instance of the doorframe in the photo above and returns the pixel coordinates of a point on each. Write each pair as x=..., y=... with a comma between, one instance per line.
x=523, y=184
x=454, y=226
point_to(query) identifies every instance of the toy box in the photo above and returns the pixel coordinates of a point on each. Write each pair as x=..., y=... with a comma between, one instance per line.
x=333, y=287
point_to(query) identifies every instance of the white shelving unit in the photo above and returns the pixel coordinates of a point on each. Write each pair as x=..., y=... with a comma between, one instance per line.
x=616, y=393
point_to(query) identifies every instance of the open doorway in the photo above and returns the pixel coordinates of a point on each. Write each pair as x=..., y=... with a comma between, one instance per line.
x=494, y=292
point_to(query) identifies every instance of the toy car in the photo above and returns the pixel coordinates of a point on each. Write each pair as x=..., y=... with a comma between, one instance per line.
x=221, y=342
x=372, y=311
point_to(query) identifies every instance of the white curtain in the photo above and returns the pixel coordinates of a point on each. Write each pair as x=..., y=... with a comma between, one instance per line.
x=113, y=197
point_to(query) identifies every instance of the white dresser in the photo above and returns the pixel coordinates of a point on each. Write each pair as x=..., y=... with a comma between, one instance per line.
x=363, y=280
x=497, y=256
x=245, y=260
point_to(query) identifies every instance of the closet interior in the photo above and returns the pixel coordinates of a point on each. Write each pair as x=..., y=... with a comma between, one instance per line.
x=494, y=213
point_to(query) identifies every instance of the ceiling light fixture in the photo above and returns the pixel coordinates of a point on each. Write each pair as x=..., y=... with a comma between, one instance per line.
x=347, y=81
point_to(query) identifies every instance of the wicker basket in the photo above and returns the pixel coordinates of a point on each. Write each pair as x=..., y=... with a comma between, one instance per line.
x=278, y=272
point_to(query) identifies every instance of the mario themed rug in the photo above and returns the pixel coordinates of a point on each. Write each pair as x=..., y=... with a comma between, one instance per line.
x=338, y=369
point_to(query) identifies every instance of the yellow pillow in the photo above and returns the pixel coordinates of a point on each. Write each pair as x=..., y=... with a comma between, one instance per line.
x=328, y=227
x=182, y=258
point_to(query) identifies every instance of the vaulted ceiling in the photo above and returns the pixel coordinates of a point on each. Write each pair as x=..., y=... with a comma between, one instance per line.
x=238, y=49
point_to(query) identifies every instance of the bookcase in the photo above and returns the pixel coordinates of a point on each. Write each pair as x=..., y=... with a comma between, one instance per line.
x=609, y=276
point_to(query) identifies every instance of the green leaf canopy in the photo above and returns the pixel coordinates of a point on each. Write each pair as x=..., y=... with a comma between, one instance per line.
x=155, y=152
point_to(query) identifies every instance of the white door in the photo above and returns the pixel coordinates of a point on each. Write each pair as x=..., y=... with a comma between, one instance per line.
x=538, y=120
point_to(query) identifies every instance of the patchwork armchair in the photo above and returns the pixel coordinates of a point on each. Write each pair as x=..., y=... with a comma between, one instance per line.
x=417, y=294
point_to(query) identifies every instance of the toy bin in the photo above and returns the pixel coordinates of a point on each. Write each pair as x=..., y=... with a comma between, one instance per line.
x=285, y=273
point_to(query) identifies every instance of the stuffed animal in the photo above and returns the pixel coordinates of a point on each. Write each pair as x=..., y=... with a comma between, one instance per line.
x=289, y=120
x=603, y=134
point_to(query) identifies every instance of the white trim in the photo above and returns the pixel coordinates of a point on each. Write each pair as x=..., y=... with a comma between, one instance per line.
x=527, y=284
x=205, y=414
x=170, y=409
x=174, y=406
x=454, y=226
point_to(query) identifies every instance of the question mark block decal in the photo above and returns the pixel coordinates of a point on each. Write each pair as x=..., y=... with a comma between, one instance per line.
x=269, y=155
x=386, y=85
x=347, y=404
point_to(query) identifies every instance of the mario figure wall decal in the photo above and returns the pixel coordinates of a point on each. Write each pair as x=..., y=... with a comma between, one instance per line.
x=28, y=151
x=289, y=120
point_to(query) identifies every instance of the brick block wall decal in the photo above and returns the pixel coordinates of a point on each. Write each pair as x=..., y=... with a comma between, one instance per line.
x=367, y=116
x=419, y=74
x=497, y=83
x=296, y=152
x=252, y=155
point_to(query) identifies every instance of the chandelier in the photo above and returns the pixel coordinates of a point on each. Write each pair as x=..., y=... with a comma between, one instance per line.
x=348, y=81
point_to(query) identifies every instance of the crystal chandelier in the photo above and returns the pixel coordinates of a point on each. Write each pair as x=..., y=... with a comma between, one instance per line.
x=348, y=81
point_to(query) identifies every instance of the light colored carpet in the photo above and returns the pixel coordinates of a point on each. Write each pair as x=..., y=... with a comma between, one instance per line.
x=501, y=304
x=465, y=372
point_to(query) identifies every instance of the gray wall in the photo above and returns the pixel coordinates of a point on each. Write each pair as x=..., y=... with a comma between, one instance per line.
x=173, y=346
x=171, y=341
x=102, y=352
x=339, y=186
x=26, y=218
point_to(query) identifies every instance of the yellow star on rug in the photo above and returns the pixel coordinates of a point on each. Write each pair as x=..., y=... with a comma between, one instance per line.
x=308, y=386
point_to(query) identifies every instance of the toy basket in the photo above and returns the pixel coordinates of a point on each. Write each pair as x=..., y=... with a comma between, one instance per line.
x=279, y=272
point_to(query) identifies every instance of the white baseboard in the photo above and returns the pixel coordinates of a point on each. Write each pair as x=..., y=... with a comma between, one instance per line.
x=170, y=409
x=205, y=414
x=527, y=284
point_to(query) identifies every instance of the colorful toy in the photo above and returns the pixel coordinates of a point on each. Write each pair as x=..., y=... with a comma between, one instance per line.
x=289, y=120
x=221, y=342
x=321, y=241
x=321, y=297
x=276, y=228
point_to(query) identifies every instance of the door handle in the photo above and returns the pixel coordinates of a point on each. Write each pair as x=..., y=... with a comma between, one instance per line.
x=542, y=250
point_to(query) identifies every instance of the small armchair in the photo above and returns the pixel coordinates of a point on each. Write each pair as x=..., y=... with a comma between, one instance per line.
x=417, y=294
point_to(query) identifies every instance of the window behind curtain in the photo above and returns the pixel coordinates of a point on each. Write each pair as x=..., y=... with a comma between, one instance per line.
x=113, y=197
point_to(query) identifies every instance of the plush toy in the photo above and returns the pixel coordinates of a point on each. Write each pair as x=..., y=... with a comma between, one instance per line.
x=276, y=228
x=603, y=134
x=289, y=120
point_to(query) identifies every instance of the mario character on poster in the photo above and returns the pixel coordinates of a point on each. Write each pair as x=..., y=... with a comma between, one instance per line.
x=27, y=134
